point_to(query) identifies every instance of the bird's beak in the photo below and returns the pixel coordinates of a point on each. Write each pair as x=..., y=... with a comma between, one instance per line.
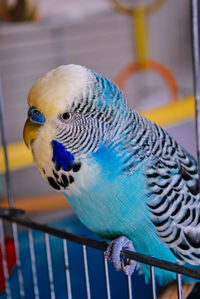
x=30, y=132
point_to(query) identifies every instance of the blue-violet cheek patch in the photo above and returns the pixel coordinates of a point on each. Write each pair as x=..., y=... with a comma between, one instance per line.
x=61, y=157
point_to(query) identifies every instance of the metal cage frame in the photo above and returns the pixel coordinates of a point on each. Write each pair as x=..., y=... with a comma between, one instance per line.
x=17, y=217
x=14, y=216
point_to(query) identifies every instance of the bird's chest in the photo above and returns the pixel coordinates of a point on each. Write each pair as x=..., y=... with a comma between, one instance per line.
x=110, y=206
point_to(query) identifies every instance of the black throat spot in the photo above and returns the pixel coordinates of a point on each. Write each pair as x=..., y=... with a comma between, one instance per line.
x=60, y=180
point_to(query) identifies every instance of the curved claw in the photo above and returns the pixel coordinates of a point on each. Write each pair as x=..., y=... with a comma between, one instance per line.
x=113, y=251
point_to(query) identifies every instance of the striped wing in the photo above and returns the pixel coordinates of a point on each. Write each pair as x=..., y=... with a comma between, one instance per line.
x=175, y=205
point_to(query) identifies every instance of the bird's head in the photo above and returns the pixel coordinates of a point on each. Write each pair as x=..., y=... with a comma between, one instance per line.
x=71, y=110
x=65, y=94
x=52, y=95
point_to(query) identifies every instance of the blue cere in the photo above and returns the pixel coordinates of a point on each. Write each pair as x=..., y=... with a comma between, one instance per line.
x=36, y=116
x=61, y=157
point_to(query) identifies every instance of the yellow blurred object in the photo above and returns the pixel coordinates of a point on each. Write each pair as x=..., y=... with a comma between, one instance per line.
x=140, y=35
x=39, y=204
x=19, y=10
x=172, y=113
x=20, y=157
x=156, y=4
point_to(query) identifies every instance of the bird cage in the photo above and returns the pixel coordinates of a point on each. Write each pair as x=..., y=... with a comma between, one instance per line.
x=30, y=275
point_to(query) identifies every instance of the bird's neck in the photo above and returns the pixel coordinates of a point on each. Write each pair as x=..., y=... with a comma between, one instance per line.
x=130, y=138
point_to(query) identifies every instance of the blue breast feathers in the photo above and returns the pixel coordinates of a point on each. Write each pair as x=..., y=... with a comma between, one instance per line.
x=61, y=157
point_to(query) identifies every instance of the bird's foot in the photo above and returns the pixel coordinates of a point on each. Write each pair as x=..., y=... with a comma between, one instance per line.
x=113, y=253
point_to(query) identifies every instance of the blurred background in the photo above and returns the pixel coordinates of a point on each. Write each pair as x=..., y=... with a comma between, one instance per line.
x=146, y=52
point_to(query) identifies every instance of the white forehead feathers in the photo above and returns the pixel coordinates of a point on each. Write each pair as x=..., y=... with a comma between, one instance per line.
x=55, y=91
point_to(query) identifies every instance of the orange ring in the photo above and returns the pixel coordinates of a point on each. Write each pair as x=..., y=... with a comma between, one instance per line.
x=156, y=4
x=132, y=68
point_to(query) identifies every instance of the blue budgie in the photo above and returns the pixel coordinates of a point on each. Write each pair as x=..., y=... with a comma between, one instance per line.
x=124, y=176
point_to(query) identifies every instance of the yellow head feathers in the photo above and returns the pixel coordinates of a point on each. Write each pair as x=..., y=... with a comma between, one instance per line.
x=55, y=91
x=52, y=95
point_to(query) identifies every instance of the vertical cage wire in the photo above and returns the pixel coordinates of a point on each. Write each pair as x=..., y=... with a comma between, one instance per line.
x=153, y=282
x=10, y=194
x=196, y=74
x=49, y=264
x=86, y=272
x=4, y=261
x=67, y=271
x=33, y=264
x=107, y=279
x=4, y=144
x=130, y=296
x=179, y=285
x=18, y=261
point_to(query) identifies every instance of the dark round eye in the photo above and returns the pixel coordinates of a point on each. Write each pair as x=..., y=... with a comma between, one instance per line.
x=66, y=116
x=35, y=111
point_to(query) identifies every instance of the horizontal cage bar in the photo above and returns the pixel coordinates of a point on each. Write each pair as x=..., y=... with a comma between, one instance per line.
x=151, y=261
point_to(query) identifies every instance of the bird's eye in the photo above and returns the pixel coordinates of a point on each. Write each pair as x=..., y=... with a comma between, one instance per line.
x=66, y=116
x=35, y=111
